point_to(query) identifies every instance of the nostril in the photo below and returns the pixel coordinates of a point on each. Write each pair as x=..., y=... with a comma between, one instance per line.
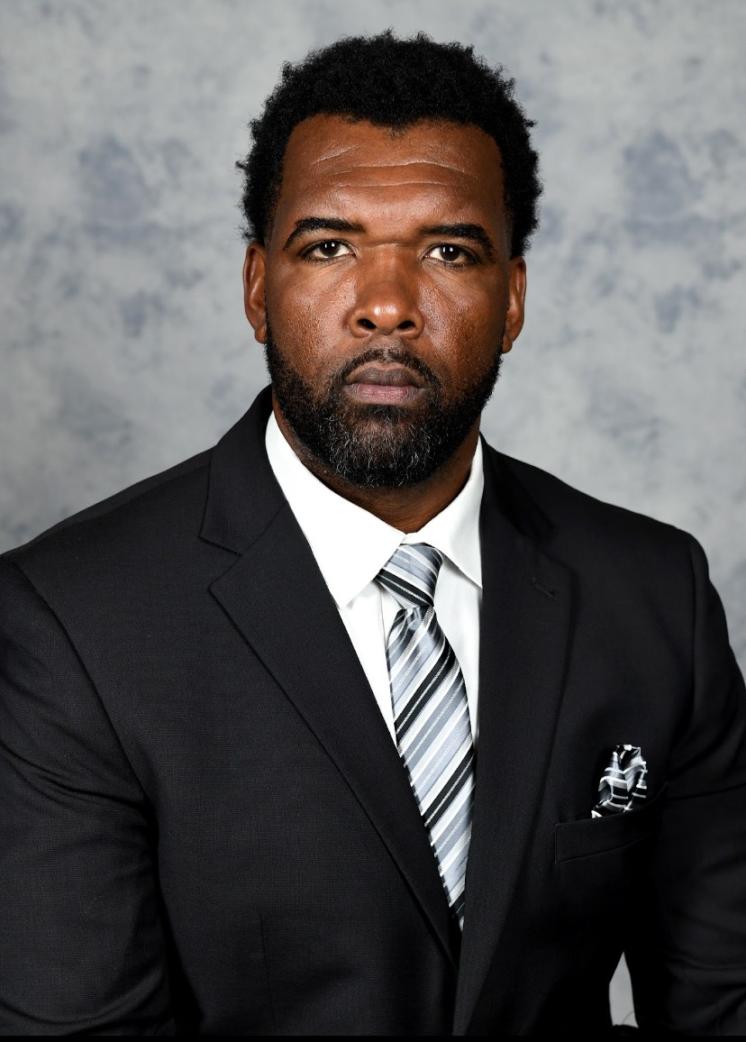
x=366, y=323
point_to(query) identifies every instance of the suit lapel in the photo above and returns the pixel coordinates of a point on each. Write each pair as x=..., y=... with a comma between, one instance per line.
x=276, y=597
x=525, y=625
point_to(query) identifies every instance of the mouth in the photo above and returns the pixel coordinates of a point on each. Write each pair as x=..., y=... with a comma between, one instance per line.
x=385, y=385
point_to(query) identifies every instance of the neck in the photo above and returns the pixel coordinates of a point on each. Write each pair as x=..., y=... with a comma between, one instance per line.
x=407, y=509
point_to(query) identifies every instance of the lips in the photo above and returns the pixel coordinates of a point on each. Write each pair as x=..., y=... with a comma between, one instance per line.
x=385, y=385
x=386, y=376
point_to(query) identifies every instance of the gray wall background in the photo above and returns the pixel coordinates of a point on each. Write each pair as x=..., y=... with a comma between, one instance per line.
x=124, y=347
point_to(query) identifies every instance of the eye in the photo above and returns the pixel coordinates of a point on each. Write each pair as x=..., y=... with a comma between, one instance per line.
x=452, y=255
x=327, y=250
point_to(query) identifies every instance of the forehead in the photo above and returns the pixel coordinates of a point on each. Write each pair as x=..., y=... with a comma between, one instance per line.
x=332, y=160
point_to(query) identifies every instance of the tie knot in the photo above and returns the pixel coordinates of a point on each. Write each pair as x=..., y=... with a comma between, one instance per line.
x=411, y=573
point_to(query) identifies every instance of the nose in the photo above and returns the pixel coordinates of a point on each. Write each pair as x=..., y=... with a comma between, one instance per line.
x=386, y=301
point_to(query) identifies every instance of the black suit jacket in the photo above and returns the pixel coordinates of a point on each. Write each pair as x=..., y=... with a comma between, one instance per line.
x=207, y=828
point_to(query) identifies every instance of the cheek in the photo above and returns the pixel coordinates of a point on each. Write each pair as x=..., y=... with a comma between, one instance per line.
x=295, y=325
x=303, y=341
x=304, y=318
x=467, y=330
x=478, y=303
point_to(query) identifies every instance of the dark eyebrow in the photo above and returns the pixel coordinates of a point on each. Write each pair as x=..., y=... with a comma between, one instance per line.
x=475, y=232
x=316, y=224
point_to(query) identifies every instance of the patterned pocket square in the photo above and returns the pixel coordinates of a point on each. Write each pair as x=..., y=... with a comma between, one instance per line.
x=623, y=785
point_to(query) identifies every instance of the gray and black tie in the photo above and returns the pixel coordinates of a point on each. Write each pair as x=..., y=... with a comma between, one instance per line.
x=431, y=713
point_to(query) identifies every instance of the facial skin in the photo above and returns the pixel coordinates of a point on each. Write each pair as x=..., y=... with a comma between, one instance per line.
x=364, y=319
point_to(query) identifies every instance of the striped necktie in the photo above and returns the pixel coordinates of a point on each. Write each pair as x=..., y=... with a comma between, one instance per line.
x=431, y=713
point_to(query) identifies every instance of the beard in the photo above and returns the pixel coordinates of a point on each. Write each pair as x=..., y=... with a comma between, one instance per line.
x=378, y=446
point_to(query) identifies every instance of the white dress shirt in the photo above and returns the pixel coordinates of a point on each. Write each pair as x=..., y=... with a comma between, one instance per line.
x=351, y=545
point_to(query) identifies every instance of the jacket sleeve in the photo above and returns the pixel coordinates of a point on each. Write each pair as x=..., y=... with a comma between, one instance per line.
x=687, y=949
x=81, y=944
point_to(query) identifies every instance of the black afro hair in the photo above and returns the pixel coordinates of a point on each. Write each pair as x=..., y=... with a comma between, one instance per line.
x=393, y=82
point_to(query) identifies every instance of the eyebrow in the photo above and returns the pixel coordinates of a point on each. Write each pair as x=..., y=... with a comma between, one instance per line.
x=326, y=224
x=474, y=232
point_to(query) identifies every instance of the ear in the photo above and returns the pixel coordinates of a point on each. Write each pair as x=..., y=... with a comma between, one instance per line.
x=254, y=269
x=516, y=302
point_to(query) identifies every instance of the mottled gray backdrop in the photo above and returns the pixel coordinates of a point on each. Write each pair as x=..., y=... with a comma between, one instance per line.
x=124, y=347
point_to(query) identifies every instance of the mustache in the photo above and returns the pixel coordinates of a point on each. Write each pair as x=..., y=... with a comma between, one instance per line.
x=388, y=354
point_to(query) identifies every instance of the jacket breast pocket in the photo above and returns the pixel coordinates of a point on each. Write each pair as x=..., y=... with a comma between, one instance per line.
x=589, y=837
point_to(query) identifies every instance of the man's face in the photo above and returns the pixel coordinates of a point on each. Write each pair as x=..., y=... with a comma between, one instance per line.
x=385, y=294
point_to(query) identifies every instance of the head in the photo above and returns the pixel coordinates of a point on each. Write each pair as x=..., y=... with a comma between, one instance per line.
x=389, y=197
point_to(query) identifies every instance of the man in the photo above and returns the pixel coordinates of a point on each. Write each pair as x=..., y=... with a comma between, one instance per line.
x=352, y=724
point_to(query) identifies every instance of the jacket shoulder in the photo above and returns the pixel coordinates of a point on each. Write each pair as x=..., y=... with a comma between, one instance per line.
x=155, y=509
x=577, y=523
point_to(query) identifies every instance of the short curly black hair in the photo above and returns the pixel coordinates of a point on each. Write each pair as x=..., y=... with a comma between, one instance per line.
x=393, y=82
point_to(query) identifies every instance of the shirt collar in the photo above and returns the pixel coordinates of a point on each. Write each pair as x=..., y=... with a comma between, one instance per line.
x=350, y=544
